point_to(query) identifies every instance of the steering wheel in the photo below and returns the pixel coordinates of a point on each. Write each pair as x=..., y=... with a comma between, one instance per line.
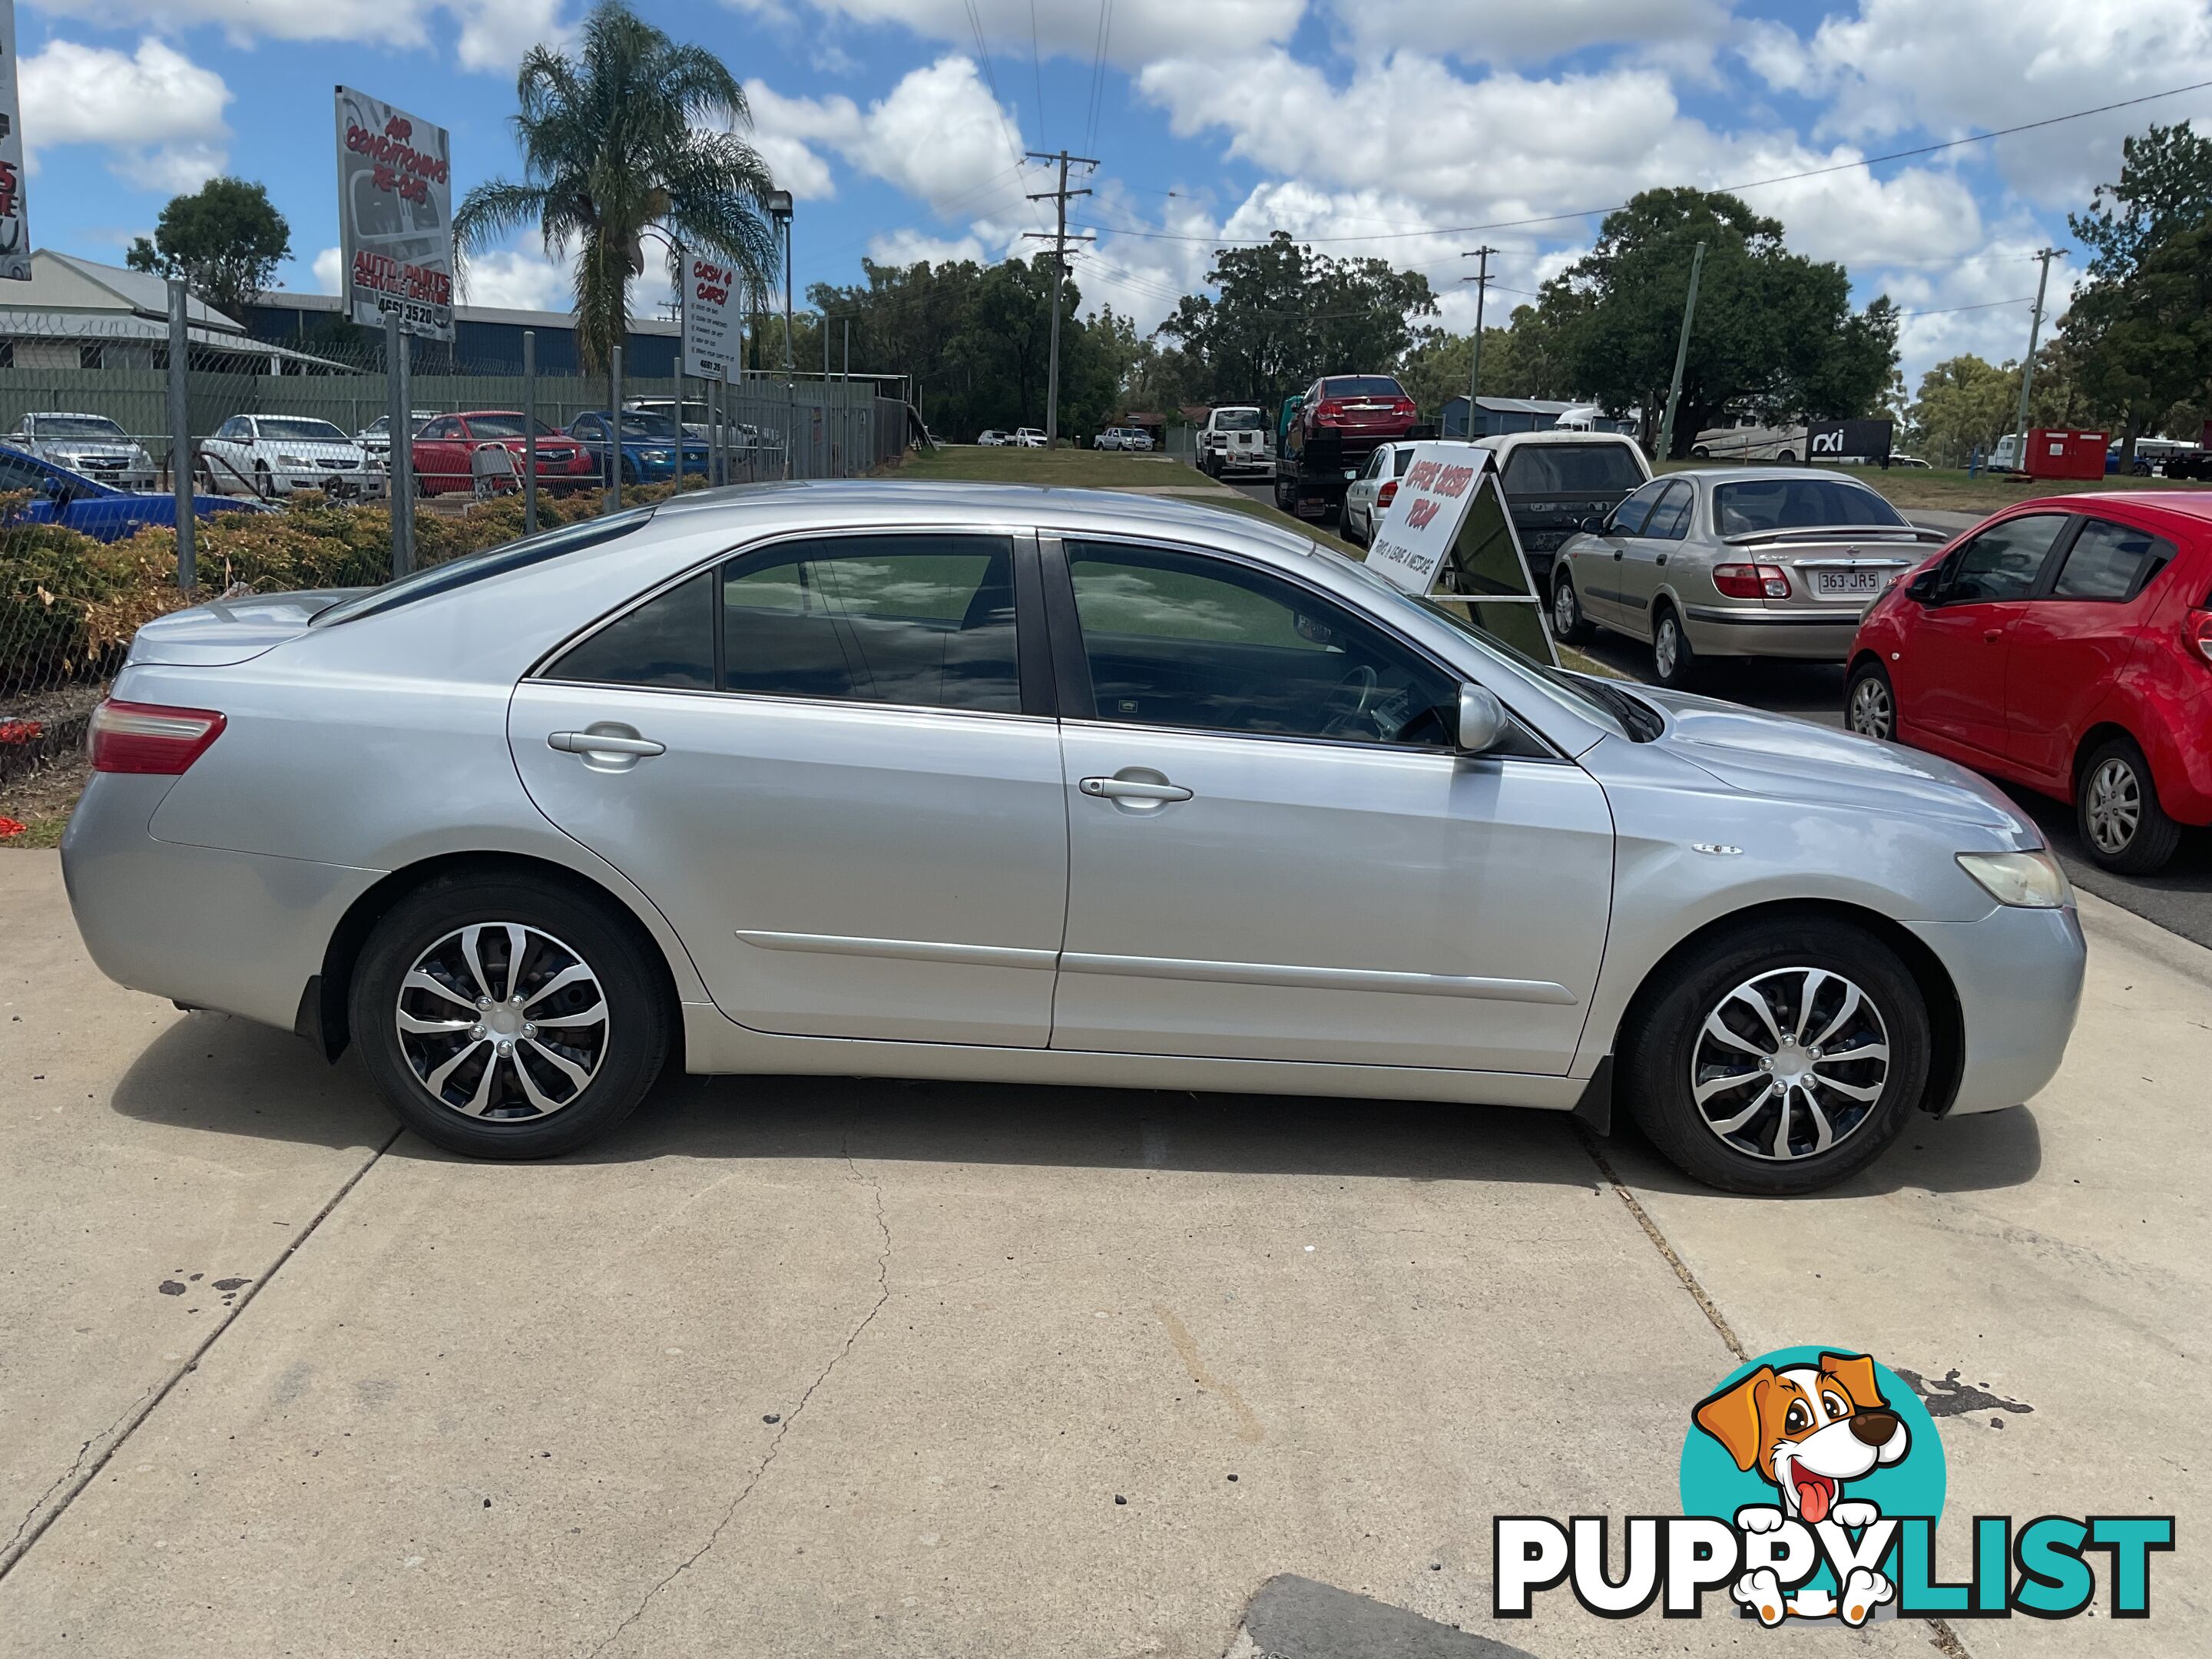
x=1355, y=700
x=1366, y=682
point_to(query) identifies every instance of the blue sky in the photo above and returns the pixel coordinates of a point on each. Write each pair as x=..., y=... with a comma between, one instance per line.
x=1379, y=127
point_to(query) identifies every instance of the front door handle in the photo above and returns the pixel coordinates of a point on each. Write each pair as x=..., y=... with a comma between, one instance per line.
x=1132, y=789
x=1619, y=552
x=603, y=743
x=1991, y=636
x=1662, y=558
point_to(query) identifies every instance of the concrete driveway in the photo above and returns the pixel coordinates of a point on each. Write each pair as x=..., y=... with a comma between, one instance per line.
x=825, y=1366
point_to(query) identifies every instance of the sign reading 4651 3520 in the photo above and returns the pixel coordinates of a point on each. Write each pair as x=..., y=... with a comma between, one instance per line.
x=395, y=216
x=14, y=227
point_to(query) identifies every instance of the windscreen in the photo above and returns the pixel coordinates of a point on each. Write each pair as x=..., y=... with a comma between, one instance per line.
x=1362, y=386
x=1742, y=509
x=1571, y=469
x=1237, y=420
x=292, y=429
x=505, y=426
x=80, y=426
x=635, y=425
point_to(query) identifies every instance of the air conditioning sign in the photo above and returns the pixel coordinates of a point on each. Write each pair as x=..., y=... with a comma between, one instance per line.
x=395, y=216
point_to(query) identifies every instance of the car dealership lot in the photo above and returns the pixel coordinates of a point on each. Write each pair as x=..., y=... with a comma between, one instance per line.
x=459, y=1407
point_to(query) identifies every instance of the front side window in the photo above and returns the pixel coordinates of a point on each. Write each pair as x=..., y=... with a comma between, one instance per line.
x=2002, y=563
x=2111, y=562
x=919, y=620
x=1628, y=518
x=447, y=428
x=1179, y=640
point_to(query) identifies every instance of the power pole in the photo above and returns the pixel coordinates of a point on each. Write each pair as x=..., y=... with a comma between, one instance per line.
x=1474, y=366
x=2027, y=368
x=1681, y=357
x=1060, y=241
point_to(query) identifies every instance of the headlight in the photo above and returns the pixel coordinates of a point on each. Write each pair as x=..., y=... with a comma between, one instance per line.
x=2031, y=881
x=139, y=457
x=656, y=454
x=294, y=460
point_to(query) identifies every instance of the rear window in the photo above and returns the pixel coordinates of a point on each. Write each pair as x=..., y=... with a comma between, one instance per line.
x=1361, y=386
x=1742, y=509
x=492, y=562
x=1236, y=420
x=1571, y=469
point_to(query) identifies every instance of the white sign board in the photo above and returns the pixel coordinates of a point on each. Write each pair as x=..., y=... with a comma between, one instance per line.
x=15, y=224
x=1424, y=519
x=710, y=316
x=395, y=216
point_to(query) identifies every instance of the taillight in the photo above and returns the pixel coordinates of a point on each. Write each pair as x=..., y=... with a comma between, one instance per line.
x=150, y=738
x=1751, y=581
x=2197, y=628
x=1388, y=493
x=1327, y=412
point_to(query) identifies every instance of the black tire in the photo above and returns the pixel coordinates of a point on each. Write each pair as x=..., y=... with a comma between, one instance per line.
x=1568, y=624
x=623, y=1051
x=2123, y=828
x=1699, y=452
x=1666, y=1044
x=1870, y=703
x=1675, y=664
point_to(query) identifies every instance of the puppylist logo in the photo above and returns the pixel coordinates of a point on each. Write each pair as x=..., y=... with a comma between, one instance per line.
x=1812, y=1481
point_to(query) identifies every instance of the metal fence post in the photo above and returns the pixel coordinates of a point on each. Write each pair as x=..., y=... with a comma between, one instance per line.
x=613, y=430
x=180, y=438
x=399, y=487
x=530, y=432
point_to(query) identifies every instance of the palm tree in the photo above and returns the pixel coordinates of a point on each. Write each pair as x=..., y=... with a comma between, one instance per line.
x=614, y=142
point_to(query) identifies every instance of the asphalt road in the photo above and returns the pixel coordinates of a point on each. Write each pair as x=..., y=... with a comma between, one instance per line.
x=2178, y=898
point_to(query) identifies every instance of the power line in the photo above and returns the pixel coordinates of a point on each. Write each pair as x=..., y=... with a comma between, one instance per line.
x=1946, y=310
x=983, y=58
x=1750, y=184
x=1036, y=69
x=1098, y=70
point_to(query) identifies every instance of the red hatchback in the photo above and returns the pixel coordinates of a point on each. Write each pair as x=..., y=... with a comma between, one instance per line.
x=2065, y=644
x=443, y=447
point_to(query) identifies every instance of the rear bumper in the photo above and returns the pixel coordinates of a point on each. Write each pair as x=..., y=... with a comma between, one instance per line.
x=1812, y=636
x=236, y=932
x=2018, y=975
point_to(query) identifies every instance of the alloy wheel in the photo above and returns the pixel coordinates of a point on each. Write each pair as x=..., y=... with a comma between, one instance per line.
x=1788, y=1064
x=1563, y=609
x=1871, y=713
x=502, y=1021
x=1666, y=646
x=2115, y=805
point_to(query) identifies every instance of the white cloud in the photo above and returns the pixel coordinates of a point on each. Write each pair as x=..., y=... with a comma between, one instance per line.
x=1142, y=30
x=909, y=247
x=158, y=114
x=492, y=34
x=329, y=265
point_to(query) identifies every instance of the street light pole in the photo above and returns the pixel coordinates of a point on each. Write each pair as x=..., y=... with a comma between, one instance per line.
x=780, y=209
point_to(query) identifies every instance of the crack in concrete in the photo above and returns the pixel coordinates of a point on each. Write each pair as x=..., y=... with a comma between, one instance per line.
x=783, y=1427
x=77, y=1477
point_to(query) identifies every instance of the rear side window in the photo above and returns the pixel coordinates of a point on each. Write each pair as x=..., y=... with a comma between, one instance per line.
x=1571, y=469
x=666, y=641
x=2111, y=561
x=1670, y=519
x=2002, y=563
x=924, y=621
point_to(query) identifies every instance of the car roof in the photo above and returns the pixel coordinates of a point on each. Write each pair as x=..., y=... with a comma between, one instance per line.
x=65, y=415
x=1718, y=475
x=2192, y=503
x=1503, y=442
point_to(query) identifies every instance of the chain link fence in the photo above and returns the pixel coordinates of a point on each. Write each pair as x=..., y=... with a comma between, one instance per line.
x=287, y=449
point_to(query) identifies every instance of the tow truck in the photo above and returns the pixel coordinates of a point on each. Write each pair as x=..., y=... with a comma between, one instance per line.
x=1326, y=434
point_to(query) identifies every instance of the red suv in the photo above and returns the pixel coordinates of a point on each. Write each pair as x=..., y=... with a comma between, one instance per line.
x=2065, y=644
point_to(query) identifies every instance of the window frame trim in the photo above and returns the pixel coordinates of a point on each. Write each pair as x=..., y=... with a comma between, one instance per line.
x=2054, y=556
x=2055, y=563
x=1078, y=701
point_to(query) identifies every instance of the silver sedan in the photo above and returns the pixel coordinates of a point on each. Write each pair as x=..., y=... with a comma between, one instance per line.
x=977, y=783
x=1733, y=563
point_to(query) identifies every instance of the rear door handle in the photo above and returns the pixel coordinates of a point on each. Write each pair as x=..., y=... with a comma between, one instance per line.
x=1991, y=636
x=603, y=743
x=1129, y=789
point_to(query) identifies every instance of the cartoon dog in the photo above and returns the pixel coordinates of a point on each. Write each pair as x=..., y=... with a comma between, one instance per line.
x=1808, y=1429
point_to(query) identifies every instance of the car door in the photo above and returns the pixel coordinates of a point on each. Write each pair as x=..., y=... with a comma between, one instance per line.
x=439, y=453
x=590, y=432
x=2074, y=636
x=225, y=457
x=856, y=822
x=1359, y=494
x=1644, y=553
x=1600, y=574
x=1275, y=853
x=1950, y=679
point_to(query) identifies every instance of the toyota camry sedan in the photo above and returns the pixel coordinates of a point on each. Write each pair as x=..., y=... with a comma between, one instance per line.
x=993, y=783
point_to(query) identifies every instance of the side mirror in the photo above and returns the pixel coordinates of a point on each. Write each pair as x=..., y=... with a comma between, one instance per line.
x=1922, y=587
x=1593, y=526
x=51, y=487
x=1481, y=720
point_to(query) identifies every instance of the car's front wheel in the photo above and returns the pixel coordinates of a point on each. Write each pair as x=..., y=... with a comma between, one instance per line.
x=2116, y=805
x=1870, y=703
x=506, y=1017
x=1568, y=623
x=1781, y=1057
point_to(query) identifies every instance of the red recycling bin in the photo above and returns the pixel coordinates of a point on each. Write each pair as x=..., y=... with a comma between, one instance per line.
x=2066, y=454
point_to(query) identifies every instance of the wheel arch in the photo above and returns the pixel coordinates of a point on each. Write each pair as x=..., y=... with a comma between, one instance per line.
x=1946, y=1019
x=323, y=1019
x=2098, y=733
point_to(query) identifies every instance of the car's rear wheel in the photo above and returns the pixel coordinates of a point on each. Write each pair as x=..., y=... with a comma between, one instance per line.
x=1781, y=1057
x=1568, y=623
x=1673, y=663
x=507, y=1017
x=2122, y=822
x=1870, y=703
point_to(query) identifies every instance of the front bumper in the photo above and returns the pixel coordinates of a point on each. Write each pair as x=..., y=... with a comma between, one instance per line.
x=1802, y=632
x=2018, y=977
